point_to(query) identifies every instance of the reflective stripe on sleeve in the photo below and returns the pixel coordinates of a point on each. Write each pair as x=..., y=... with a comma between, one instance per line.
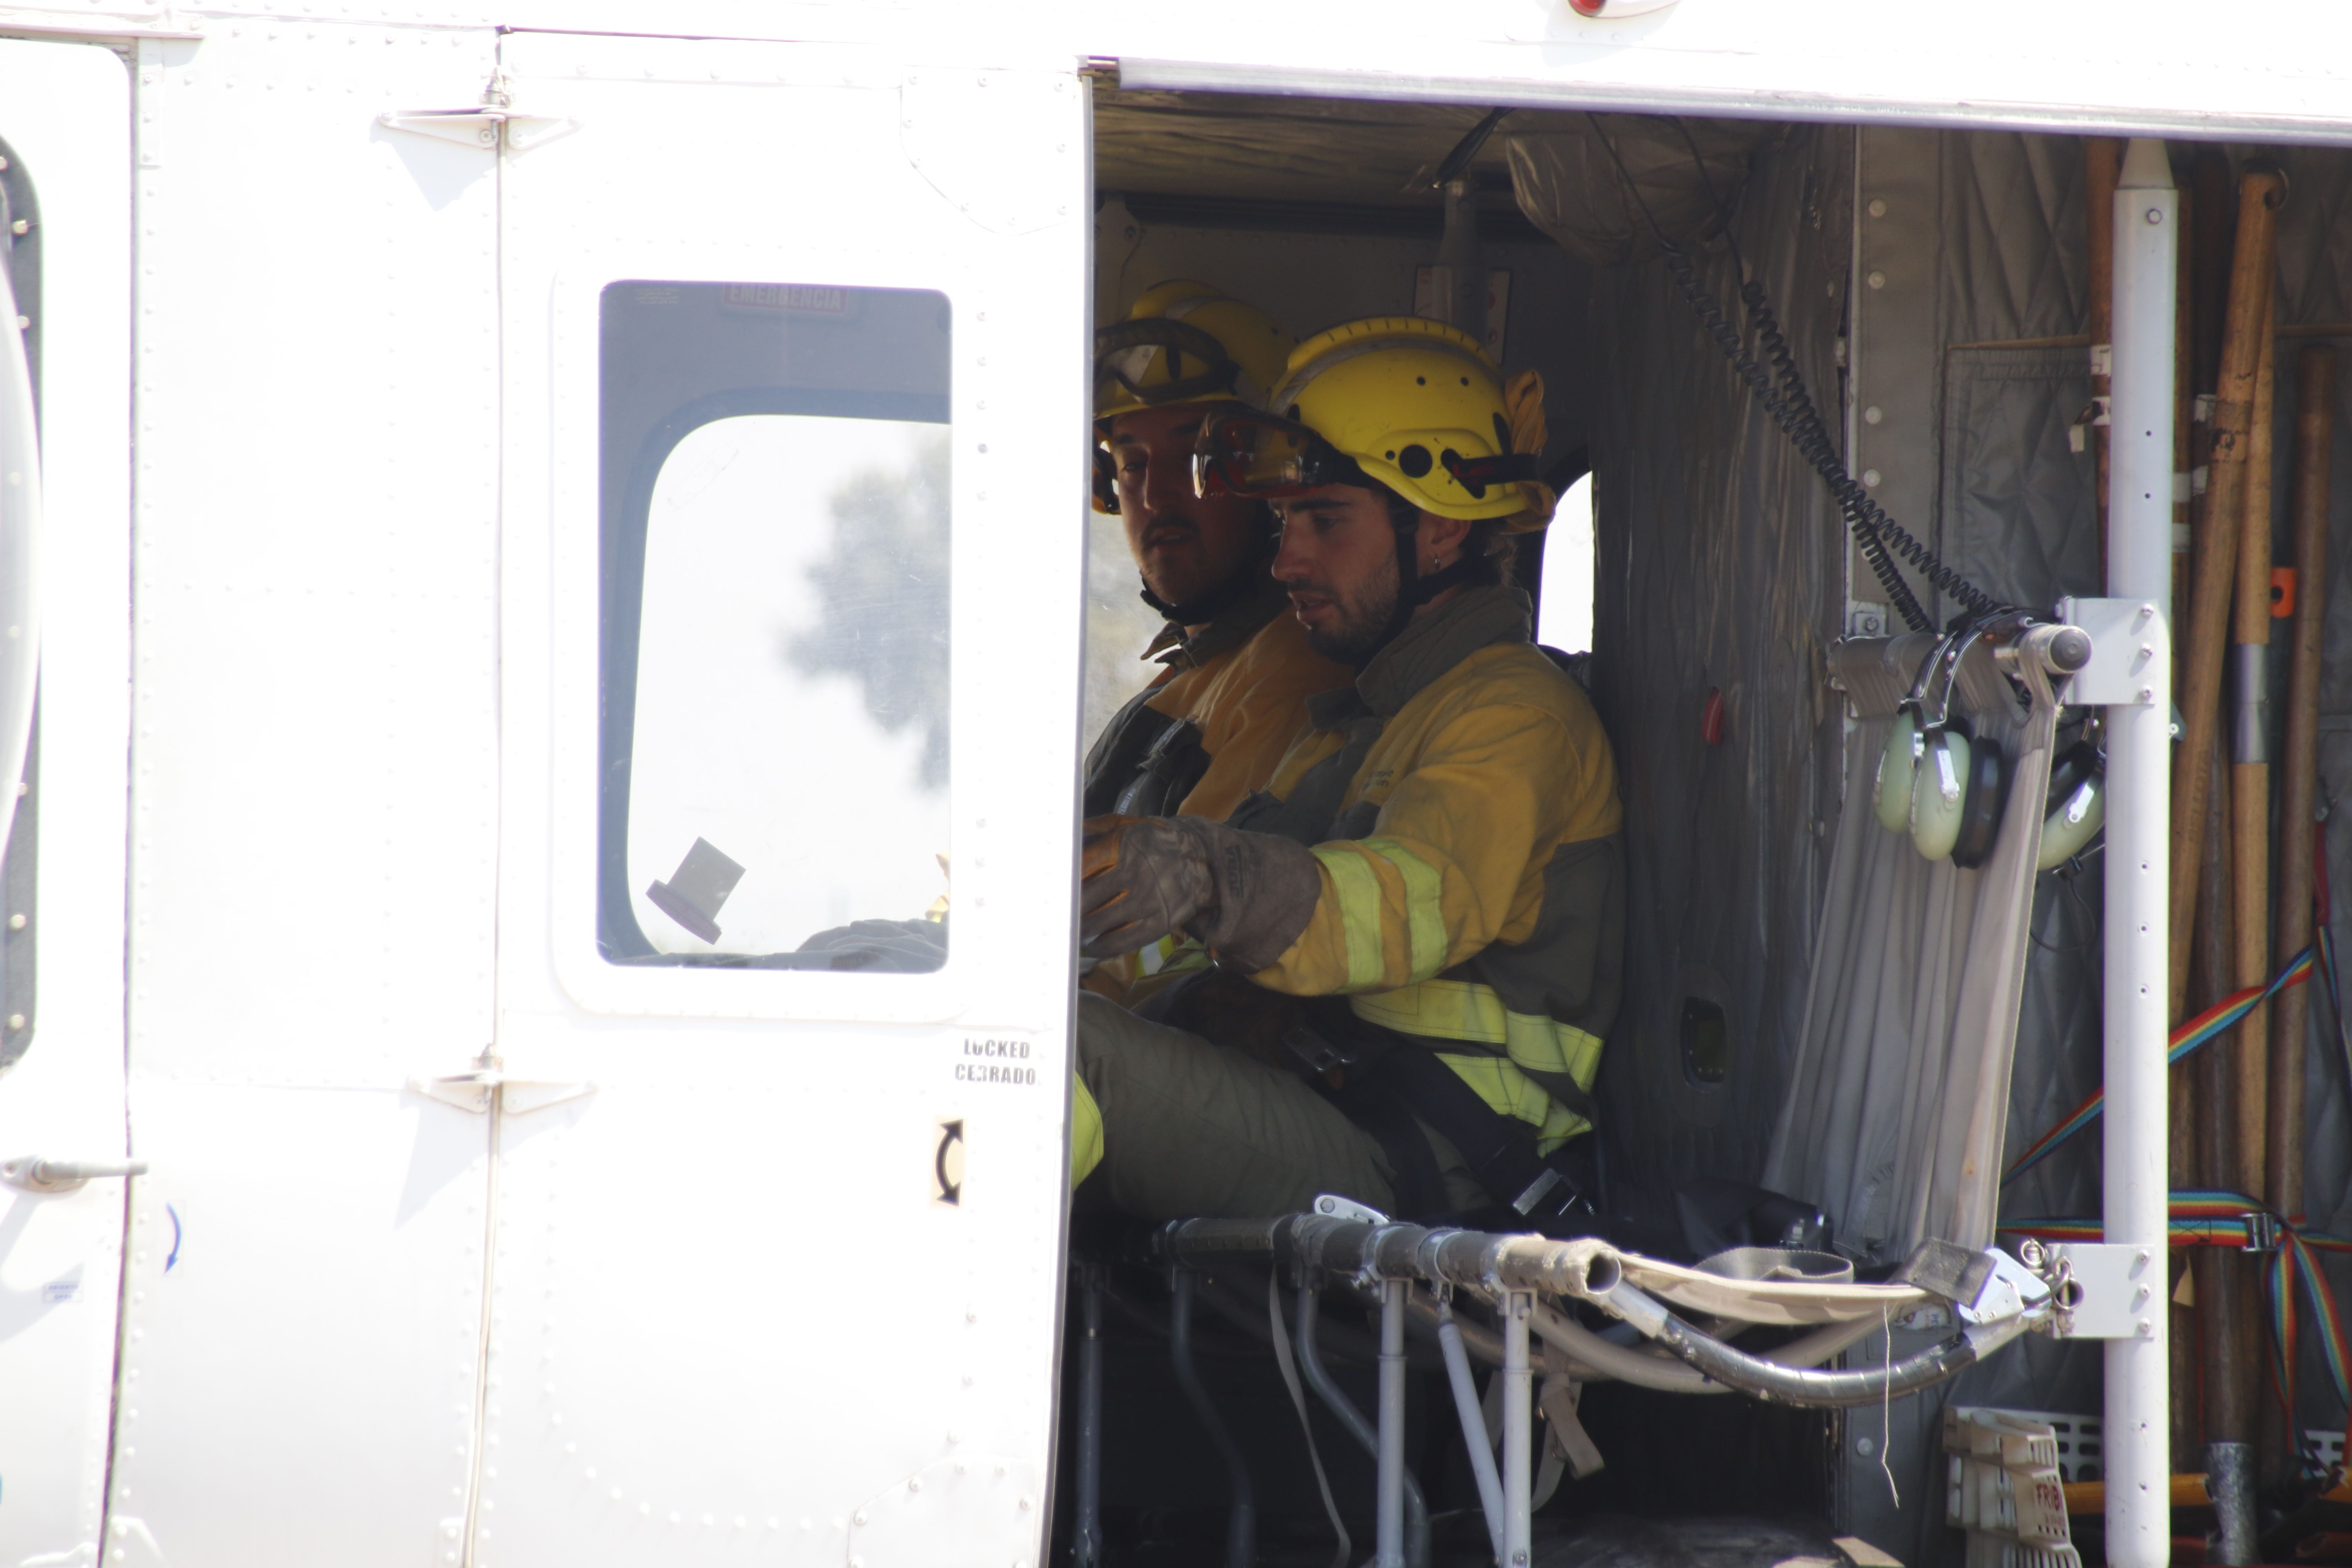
x=1172, y=956
x=1358, y=887
x=1512, y=1092
x=1425, y=911
x=1085, y=1131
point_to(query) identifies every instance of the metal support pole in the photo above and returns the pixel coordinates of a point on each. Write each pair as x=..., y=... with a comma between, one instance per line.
x=1518, y=1431
x=1086, y=1531
x=1460, y=275
x=1241, y=1506
x=2139, y=870
x=1410, y=1547
x=1389, y=1522
x=1473, y=1419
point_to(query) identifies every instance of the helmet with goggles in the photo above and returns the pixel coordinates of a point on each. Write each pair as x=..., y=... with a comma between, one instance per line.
x=1412, y=405
x=1185, y=342
x=1182, y=343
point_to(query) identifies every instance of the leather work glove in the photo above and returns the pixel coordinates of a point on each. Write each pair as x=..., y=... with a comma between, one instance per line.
x=1245, y=895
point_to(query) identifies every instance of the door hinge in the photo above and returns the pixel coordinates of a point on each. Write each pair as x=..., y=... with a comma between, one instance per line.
x=478, y=1088
x=480, y=127
x=33, y=1174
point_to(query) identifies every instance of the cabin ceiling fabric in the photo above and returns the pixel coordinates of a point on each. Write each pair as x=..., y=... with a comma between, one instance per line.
x=1597, y=183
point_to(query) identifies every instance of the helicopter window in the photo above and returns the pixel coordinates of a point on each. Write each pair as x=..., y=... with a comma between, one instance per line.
x=776, y=655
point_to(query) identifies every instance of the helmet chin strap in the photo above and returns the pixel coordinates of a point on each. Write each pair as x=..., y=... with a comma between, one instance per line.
x=1203, y=608
x=1415, y=588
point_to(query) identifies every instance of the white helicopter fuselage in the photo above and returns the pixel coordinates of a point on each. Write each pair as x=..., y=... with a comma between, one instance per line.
x=470, y=1231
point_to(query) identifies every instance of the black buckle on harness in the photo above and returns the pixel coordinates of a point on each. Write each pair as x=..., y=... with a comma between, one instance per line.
x=1547, y=1181
x=1318, y=1054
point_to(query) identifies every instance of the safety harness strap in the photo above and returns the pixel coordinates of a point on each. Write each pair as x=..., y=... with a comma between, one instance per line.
x=1125, y=742
x=1560, y=1059
x=1499, y=1151
x=1166, y=773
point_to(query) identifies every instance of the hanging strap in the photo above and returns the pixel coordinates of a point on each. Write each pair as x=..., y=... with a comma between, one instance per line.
x=1283, y=1359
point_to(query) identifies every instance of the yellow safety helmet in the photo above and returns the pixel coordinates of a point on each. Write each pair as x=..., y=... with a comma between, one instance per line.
x=1412, y=404
x=1185, y=342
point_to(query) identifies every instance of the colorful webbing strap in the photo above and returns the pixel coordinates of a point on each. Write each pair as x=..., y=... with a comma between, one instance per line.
x=2216, y=1020
x=2230, y=1219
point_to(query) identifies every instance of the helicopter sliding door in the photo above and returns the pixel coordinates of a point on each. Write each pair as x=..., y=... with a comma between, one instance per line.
x=795, y=346
x=313, y=797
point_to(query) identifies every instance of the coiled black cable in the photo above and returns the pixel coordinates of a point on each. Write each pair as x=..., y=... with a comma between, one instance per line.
x=1782, y=391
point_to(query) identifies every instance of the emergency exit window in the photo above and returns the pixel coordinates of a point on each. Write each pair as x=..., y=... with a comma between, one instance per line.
x=776, y=670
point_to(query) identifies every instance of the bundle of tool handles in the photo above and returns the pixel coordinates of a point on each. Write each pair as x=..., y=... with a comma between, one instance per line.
x=1533, y=1287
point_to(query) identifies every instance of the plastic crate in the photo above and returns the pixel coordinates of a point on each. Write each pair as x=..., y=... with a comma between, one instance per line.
x=1987, y=1550
x=2000, y=1437
x=2029, y=1504
x=2081, y=1447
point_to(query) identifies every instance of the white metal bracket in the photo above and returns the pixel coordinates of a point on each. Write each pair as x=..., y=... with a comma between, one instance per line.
x=477, y=1091
x=2008, y=1289
x=2114, y=1291
x=2130, y=643
x=480, y=127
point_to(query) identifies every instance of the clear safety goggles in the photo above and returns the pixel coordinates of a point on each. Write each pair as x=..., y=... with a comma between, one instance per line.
x=1241, y=452
x=1191, y=365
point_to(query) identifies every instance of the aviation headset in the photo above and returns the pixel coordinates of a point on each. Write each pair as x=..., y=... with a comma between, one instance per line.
x=1948, y=787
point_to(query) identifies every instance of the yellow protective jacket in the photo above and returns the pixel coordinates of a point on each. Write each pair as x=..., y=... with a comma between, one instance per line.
x=1462, y=801
x=1243, y=684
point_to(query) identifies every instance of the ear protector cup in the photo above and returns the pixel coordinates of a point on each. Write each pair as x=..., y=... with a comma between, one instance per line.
x=2077, y=806
x=1938, y=790
x=1958, y=797
x=1986, y=798
x=1898, y=766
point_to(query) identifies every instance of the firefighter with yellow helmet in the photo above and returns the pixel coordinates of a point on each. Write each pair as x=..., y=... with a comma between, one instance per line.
x=1236, y=667
x=1417, y=927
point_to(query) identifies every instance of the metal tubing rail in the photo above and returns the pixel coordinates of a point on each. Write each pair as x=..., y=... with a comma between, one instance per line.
x=1777, y=1385
x=1240, y=1507
x=1086, y=1543
x=1389, y=1455
x=1505, y=1266
x=1519, y=1432
x=1402, y=1537
x=1474, y=1422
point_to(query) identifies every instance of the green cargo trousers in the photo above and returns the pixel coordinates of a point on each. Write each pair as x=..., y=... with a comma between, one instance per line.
x=1191, y=1128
